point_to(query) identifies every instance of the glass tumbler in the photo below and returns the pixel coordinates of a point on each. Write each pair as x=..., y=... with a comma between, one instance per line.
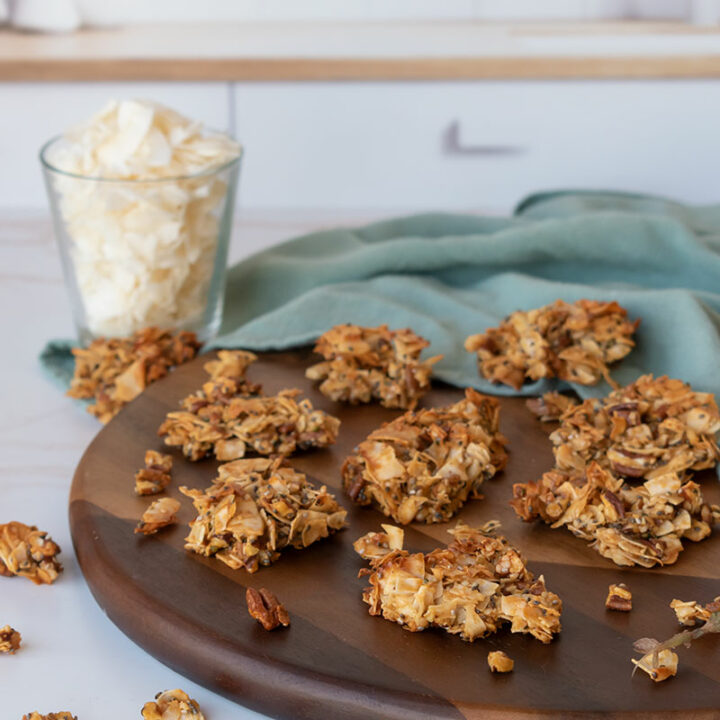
x=140, y=253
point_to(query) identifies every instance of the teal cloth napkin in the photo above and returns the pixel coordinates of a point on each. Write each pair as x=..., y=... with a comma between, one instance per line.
x=448, y=276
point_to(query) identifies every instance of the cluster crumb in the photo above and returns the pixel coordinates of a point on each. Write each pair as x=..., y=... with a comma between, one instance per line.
x=551, y=406
x=155, y=476
x=659, y=666
x=114, y=371
x=425, y=464
x=691, y=612
x=619, y=598
x=10, y=640
x=230, y=418
x=29, y=552
x=160, y=514
x=63, y=715
x=499, y=662
x=363, y=364
x=172, y=705
x=469, y=588
x=255, y=509
x=264, y=606
x=623, y=469
x=572, y=341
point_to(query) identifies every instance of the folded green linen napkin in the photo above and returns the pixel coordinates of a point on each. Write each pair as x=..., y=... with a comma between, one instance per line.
x=448, y=276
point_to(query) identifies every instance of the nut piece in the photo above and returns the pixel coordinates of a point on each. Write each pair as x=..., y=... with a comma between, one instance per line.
x=172, y=705
x=155, y=476
x=116, y=370
x=263, y=605
x=229, y=418
x=619, y=598
x=256, y=508
x=499, y=662
x=50, y=716
x=9, y=640
x=365, y=363
x=691, y=612
x=27, y=551
x=469, y=588
x=160, y=514
x=574, y=342
x=425, y=464
x=659, y=667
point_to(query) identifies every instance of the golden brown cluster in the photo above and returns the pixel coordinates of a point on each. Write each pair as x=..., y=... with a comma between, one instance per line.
x=425, y=464
x=172, y=705
x=155, y=476
x=229, y=417
x=619, y=598
x=628, y=524
x=9, y=640
x=470, y=588
x=499, y=662
x=364, y=364
x=256, y=508
x=659, y=666
x=691, y=612
x=115, y=371
x=29, y=552
x=651, y=427
x=50, y=716
x=572, y=341
x=159, y=514
x=264, y=606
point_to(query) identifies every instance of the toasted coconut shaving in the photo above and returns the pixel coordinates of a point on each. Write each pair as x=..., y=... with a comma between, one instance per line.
x=499, y=662
x=619, y=598
x=256, y=508
x=229, y=418
x=172, y=705
x=364, y=364
x=691, y=612
x=425, y=464
x=115, y=371
x=659, y=666
x=9, y=640
x=628, y=524
x=470, y=588
x=574, y=342
x=159, y=515
x=50, y=716
x=648, y=429
x=29, y=552
x=155, y=476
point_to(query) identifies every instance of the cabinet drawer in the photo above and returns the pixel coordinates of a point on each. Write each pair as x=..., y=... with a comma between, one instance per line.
x=474, y=145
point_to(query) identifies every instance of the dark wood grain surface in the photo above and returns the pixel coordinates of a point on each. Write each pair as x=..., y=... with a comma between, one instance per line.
x=336, y=661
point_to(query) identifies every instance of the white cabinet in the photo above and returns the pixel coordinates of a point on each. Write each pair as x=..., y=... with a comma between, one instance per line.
x=474, y=145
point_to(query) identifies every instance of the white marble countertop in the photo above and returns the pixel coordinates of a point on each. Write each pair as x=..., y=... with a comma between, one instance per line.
x=73, y=658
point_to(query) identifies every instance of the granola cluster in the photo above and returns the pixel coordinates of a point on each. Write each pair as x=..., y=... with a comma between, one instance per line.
x=256, y=508
x=364, y=364
x=264, y=606
x=172, y=705
x=228, y=417
x=572, y=341
x=27, y=551
x=159, y=514
x=619, y=598
x=425, y=464
x=626, y=523
x=659, y=666
x=115, y=371
x=652, y=427
x=9, y=640
x=499, y=662
x=691, y=612
x=470, y=588
x=155, y=476
x=50, y=716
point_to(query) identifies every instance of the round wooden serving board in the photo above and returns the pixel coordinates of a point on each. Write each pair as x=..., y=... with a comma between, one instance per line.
x=337, y=661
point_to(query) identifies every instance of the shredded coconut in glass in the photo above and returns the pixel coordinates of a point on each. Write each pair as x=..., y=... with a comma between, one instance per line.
x=142, y=253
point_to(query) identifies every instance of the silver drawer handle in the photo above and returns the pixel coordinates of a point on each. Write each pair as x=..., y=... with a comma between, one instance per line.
x=452, y=145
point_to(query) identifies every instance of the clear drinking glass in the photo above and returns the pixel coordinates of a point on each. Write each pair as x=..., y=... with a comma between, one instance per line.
x=139, y=253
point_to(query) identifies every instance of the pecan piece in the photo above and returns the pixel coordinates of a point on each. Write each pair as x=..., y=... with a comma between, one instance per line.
x=499, y=662
x=264, y=606
x=619, y=598
x=9, y=640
